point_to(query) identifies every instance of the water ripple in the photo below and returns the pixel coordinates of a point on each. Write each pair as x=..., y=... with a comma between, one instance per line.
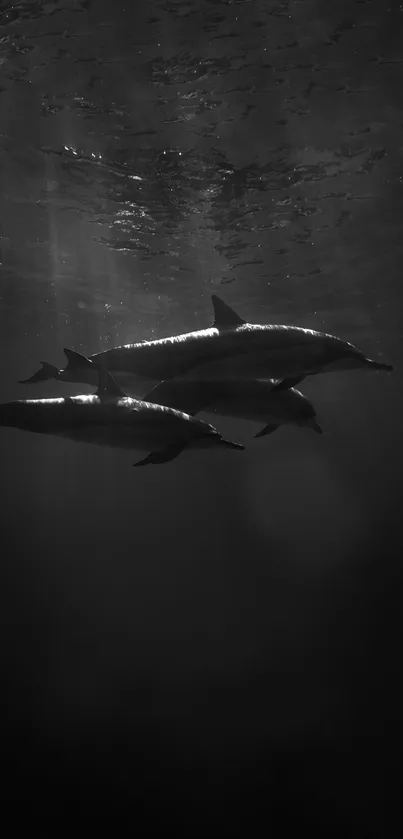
x=196, y=142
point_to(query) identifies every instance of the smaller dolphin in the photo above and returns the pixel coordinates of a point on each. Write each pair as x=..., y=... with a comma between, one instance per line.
x=262, y=401
x=258, y=400
x=110, y=418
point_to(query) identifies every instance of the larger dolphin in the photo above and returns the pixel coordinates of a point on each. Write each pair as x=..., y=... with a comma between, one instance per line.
x=110, y=418
x=230, y=349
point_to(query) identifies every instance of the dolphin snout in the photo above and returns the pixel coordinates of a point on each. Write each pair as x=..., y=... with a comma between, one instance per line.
x=315, y=426
x=230, y=445
x=378, y=365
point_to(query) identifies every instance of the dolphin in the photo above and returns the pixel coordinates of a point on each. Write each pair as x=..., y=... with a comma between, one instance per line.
x=111, y=418
x=256, y=400
x=231, y=349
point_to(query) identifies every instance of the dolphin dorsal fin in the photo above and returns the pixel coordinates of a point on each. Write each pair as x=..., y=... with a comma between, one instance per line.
x=108, y=389
x=76, y=359
x=224, y=316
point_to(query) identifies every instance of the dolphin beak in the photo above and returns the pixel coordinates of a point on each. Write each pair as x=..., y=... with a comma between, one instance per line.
x=378, y=365
x=230, y=445
x=316, y=427
x=311, y=423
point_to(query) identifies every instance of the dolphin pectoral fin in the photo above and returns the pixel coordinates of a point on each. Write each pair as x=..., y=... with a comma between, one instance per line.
x=170, y=453
x=48, y=371
x=224, y=316
x=268, y=429
x=286, y=384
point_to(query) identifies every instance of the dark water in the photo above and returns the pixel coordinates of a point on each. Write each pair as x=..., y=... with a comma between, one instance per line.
x=213, y=643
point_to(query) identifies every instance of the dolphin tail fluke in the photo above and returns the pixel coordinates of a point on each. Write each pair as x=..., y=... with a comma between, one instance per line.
x=170, y=453
x=378, y=365
x=48, y=371
x=268, y=429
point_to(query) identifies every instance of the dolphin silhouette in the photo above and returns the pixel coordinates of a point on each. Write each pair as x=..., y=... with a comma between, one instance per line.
x=110, y=418
x=231, y=349
x=256, y=400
